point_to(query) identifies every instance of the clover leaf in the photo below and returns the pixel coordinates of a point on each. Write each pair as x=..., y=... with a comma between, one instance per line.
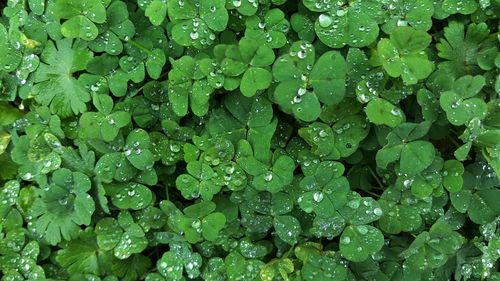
x=81, y=18
x=239, y=267
x=353, y=25
x=117, y=27
x=414, y=155
x=269, y=30
x=358, y=242
x=293, y=95
x=462, y=7
x=133, y=196
x=414, y=13
x=258, y=58
x=187, y=87
x=200, y=181
x=325, y=191
x=459, y=104
x=402, y=54
x=431, y=249
x=452, y=175
x=398, y=214
x=196, y=22
x=124, y=236
x=380, y=111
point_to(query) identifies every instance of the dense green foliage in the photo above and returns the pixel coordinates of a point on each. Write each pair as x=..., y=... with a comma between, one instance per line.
x=312, y=140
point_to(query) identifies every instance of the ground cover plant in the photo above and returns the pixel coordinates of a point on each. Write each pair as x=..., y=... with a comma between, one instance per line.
x=216, y=140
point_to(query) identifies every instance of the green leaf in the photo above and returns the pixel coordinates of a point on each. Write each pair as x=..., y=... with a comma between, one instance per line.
x=170, y=266
x=54, y=83
x=287, y=228
x=452, y=175
x=79, y=27
x=380, y=111
x=358, y=242
x=156, y=12
x=416, y=156
x=255, y=79
x=353, y=26
x=129, y=195
x=211, y=225
x=402, y=54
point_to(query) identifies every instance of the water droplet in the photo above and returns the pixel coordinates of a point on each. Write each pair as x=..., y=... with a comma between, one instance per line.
x=318, y=196
x=63, y=201
x=353, y=204
x=325, y=20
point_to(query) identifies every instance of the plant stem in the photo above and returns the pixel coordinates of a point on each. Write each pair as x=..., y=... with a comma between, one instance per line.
x=376, y=177
x=140, y=46
x=371, y=193
x=289, y=252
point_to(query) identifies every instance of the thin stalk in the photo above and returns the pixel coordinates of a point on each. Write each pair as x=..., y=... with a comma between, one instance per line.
x=375, y=177
x=140, y=46
x=372, y=193
x=289, y=252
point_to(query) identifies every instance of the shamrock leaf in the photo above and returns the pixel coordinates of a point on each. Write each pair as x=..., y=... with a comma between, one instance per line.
x=287, y=228
x=414, y=155
x=124, y=236
x=187, y=87
x=353, y=25
x=398, y=214
x=258, y=58
x=293, y=94
x=462, y=7
x=239, y=267
x=181, y=256
x=80, y=18
x=199, y=221
x=269, y=31
x=325, y=191
x=116, y=28
x=271, y=179
x=380, y=111
x=402, y=54
x=452, y=175
x=460, y=105
x=417, y=14
x=358, y=242
x=156, y=11
x=195, y=21
x=200, y=181
x=137, y=150
x=133, y=196
x=245, y=7
x=431, y=249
